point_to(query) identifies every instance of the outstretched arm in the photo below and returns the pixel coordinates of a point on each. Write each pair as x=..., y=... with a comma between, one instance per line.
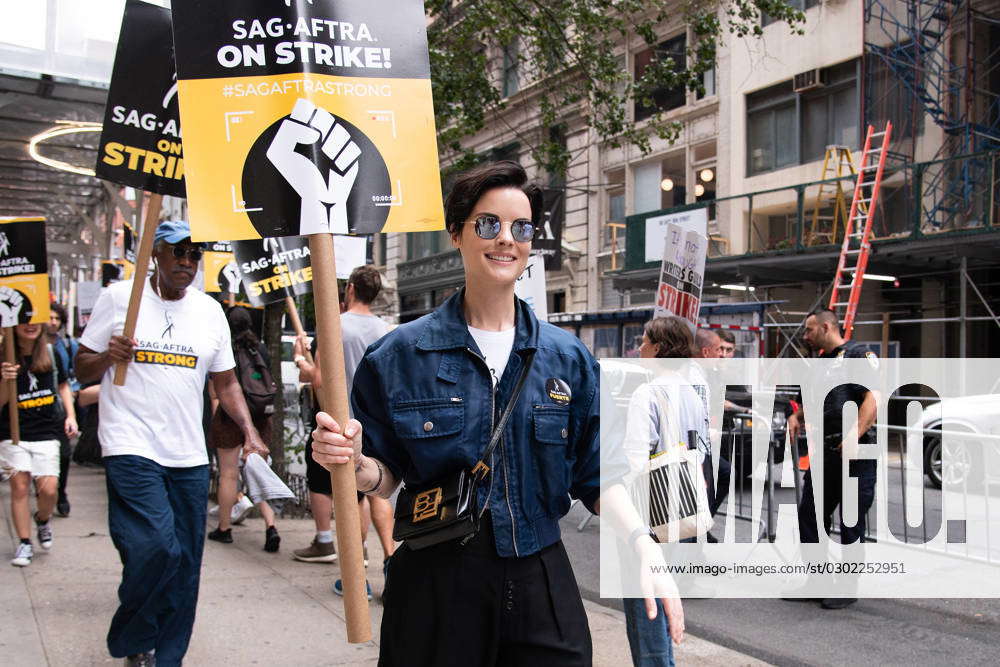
x=230, y=395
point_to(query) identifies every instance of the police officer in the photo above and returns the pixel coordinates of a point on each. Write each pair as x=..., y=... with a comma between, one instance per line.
x=426, y=397
x=822, y=333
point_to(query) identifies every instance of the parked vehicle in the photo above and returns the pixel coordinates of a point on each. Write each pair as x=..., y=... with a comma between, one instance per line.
x=623, y=378
x=971, y=462
x=737, y=427
x=296, y=393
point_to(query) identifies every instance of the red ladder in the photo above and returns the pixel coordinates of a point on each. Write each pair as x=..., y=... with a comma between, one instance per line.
x=858, y=243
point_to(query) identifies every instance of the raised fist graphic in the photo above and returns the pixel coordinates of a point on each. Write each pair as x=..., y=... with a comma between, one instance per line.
x=231, y=273
x=324, y=196
x=10, y=306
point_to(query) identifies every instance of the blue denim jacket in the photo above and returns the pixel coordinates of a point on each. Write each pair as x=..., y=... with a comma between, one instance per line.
x=425, y=399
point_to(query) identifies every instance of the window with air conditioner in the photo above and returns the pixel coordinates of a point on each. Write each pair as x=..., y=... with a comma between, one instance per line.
x=786, y=127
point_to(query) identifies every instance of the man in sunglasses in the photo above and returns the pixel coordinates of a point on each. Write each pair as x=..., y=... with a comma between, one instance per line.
x=153, y=443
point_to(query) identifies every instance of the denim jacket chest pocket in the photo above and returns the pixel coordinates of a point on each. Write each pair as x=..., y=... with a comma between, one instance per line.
x=431, y=432
x=550, y=451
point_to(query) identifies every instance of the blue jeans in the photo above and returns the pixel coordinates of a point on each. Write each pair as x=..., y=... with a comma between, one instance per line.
x=156, y=517
x=649, y=641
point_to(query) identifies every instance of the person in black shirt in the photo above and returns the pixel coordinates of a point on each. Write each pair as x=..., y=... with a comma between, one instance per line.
x=64, y=347
x=41, y=385
x=822, y=333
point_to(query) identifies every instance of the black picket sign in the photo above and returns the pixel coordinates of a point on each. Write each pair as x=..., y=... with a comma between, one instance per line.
x=141, y=140
x=274, y=268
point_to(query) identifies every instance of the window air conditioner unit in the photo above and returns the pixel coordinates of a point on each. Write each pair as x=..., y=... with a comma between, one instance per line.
x=809, y=80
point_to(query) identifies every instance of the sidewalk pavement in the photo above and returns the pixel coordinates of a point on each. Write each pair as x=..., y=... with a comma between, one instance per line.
x=254, y=607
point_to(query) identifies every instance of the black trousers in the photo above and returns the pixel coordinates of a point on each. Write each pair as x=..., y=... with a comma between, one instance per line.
x=455, y=605
x=865, y=471
x=64, y=457
x=725, y=473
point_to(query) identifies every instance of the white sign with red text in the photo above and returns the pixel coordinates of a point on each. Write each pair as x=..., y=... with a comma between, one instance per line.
x=681, y=274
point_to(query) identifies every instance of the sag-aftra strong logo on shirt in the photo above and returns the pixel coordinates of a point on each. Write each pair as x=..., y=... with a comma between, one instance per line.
x=35, y=397
x=165, y=354
x=165, y=358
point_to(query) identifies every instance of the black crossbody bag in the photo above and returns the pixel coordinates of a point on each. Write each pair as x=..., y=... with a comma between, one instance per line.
x=445, y=509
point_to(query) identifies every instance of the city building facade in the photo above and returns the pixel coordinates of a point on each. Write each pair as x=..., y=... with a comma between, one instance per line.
x=758, y=150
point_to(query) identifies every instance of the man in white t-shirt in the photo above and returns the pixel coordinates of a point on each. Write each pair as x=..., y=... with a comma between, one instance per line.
x=360, y=327
x=154, y=445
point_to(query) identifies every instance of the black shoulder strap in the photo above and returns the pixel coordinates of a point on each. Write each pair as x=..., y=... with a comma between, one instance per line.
x=481, y=469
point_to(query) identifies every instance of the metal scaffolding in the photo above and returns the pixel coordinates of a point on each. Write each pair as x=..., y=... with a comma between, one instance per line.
x=938, y=59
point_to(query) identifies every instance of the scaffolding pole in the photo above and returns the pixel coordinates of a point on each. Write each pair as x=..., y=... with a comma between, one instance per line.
x=798, y=327
x=986, y=304
x=963, y=305
x=918, y=320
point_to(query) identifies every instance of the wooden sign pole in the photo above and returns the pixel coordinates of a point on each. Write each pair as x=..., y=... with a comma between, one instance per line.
x=293, y=315
x=333, y=395
x=10, y=356
x=139, y=277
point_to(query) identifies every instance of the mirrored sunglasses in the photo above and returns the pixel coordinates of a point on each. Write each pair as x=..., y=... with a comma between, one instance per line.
x=488, y=227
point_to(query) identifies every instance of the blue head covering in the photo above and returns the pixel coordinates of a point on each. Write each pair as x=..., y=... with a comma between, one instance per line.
x=173, y=231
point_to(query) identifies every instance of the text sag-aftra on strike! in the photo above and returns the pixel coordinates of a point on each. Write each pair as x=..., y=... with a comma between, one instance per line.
x=150, y=162
x=320, y=53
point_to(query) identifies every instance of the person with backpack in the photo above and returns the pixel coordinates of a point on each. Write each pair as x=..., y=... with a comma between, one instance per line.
x=41, y=381
x=64, y=347
x=253, y=369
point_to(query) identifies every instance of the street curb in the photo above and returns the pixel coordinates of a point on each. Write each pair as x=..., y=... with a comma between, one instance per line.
x=702, y=632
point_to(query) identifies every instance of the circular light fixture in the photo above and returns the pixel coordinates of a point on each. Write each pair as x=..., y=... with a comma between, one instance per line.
x=707, y=175
x=65, y=127
x=699, y=190
x=666, y=185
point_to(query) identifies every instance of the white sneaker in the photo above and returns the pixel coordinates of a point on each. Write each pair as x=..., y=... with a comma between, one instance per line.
x=240, y=510
x=214, y=511
x=22, y=557
x=44, y=535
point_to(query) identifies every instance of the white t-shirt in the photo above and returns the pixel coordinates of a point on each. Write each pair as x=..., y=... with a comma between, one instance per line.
x=358, y=332
x=696, y=376
x=660, y=414
x=496, y=347
x=158, y=413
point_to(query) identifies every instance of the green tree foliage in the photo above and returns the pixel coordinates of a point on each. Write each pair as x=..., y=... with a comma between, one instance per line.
x=566, y=54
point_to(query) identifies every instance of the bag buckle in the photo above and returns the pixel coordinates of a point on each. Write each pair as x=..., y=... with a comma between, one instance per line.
x=480, y=471
x=425, y=505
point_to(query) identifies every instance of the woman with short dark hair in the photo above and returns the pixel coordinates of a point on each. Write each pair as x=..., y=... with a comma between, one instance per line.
x=431, y=396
